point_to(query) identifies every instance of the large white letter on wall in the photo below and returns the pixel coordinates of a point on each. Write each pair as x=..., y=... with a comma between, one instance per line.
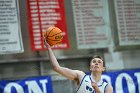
x=18, y=88
x=130, y=83
x=138, y=79
x=33, y=86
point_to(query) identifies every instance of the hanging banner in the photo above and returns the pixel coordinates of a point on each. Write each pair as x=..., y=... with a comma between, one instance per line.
x=29, y=85
x=43, y=14
x=92, y=23
x=10, y=30
x=128, y=20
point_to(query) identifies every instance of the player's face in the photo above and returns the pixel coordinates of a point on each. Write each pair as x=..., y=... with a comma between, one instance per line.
x=96, y=64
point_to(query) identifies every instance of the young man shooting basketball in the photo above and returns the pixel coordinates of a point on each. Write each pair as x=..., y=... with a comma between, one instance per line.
x=87, y=83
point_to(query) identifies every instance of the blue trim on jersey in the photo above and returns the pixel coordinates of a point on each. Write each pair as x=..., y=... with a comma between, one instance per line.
x=81, y=83
x=105, y=87
x=90, y=79
x=101, y=84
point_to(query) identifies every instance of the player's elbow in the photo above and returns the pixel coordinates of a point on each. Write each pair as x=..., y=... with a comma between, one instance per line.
x=56, y=68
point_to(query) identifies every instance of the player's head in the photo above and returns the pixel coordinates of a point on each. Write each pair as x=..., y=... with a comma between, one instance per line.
x=97, y=64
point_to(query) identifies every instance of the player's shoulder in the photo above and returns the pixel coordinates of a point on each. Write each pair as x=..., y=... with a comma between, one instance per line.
x=80, y=73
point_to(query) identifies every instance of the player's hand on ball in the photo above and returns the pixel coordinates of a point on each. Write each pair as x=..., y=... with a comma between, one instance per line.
x=46, y=44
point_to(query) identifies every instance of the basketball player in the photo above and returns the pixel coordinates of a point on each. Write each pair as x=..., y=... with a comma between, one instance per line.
x=86, y=83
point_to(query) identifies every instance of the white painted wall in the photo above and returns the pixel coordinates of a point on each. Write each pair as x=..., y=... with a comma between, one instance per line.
x=122, y=60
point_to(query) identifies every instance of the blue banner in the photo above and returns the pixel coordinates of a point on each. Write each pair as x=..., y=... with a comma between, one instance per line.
x=124, y=81
x=41, y=84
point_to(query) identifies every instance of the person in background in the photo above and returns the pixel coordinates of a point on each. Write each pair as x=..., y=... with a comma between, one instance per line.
x=86, y=83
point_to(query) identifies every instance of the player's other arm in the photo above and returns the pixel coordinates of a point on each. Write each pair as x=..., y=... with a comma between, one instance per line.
x=66, y=72
x=109, y=89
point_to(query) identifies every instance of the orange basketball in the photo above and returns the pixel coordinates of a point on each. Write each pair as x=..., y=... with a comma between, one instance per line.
x=53, y=35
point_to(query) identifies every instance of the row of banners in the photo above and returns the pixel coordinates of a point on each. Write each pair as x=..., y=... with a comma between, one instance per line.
x=91, y=19
x=124, y=81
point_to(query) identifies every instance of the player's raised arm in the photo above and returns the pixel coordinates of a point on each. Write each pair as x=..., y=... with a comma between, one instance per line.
x=66, y=72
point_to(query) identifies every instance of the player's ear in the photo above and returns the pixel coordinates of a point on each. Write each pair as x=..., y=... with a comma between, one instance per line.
x=104, y=68
x=90, y=67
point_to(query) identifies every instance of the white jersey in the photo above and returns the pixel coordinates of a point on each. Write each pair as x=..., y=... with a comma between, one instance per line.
x=86, y=87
